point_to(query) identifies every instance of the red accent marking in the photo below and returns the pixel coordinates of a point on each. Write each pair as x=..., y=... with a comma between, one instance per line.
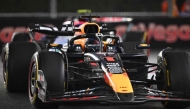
x=155, y=97
x=109, y=59
x=81, y=61
x=125, y=74
x=73, y=98
x=106, y=78
x=78, y=23
x=64, y=99
x=40, y=78
x=53, y=99
x=109, y=74
x=152, y=97
x=93, y=64
x=89, y=98
x=163, y=98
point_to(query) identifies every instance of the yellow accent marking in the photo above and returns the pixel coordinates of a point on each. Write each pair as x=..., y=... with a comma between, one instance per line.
x=33, y=78
x=104, y=42
x=144, y=36
x=124, y=69
x=34, y=98
x=165, y=103
x=84, y=11
x=36, y=76
x=165, y=63
x=165, y=93
x=87, y=90
x=54, y=45
x=122, y=83
x=168, y=80
x=143, y=44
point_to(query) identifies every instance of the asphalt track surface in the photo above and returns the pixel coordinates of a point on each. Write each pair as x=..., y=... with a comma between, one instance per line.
x=21, y=101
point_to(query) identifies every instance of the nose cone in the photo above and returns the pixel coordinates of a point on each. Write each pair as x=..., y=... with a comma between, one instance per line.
x=121, y=84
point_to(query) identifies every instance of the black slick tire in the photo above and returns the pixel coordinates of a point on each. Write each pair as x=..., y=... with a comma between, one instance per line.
x=52, y=66
x=177, y=77
x=16, y=64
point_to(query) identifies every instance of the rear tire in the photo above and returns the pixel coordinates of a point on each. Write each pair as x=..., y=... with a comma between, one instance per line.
x=16, y=63
x=52, y=66
x=177, y=77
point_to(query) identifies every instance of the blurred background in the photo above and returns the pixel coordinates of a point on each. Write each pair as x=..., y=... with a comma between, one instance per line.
x=164, y=22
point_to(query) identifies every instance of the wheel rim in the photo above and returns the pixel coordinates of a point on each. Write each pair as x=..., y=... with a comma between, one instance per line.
x=32, y=82
x=5, y=74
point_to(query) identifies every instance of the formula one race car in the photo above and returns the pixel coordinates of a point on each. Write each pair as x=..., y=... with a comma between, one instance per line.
x=95, y=71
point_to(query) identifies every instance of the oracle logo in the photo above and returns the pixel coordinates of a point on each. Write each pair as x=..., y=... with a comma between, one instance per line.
x=7, y=32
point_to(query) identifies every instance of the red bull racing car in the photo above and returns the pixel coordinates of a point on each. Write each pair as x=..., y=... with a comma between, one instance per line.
x=90, y=69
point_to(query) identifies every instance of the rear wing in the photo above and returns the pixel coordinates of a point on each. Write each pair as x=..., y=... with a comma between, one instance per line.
x=65, y=30
x=49, y=30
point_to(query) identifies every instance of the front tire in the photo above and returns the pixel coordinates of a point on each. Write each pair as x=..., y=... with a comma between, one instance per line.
x=52, y=65
x=176, y=77
x=16, y=61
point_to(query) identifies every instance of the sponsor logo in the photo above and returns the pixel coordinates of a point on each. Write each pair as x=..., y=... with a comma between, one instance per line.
x=168, y=33
x=114, y=68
